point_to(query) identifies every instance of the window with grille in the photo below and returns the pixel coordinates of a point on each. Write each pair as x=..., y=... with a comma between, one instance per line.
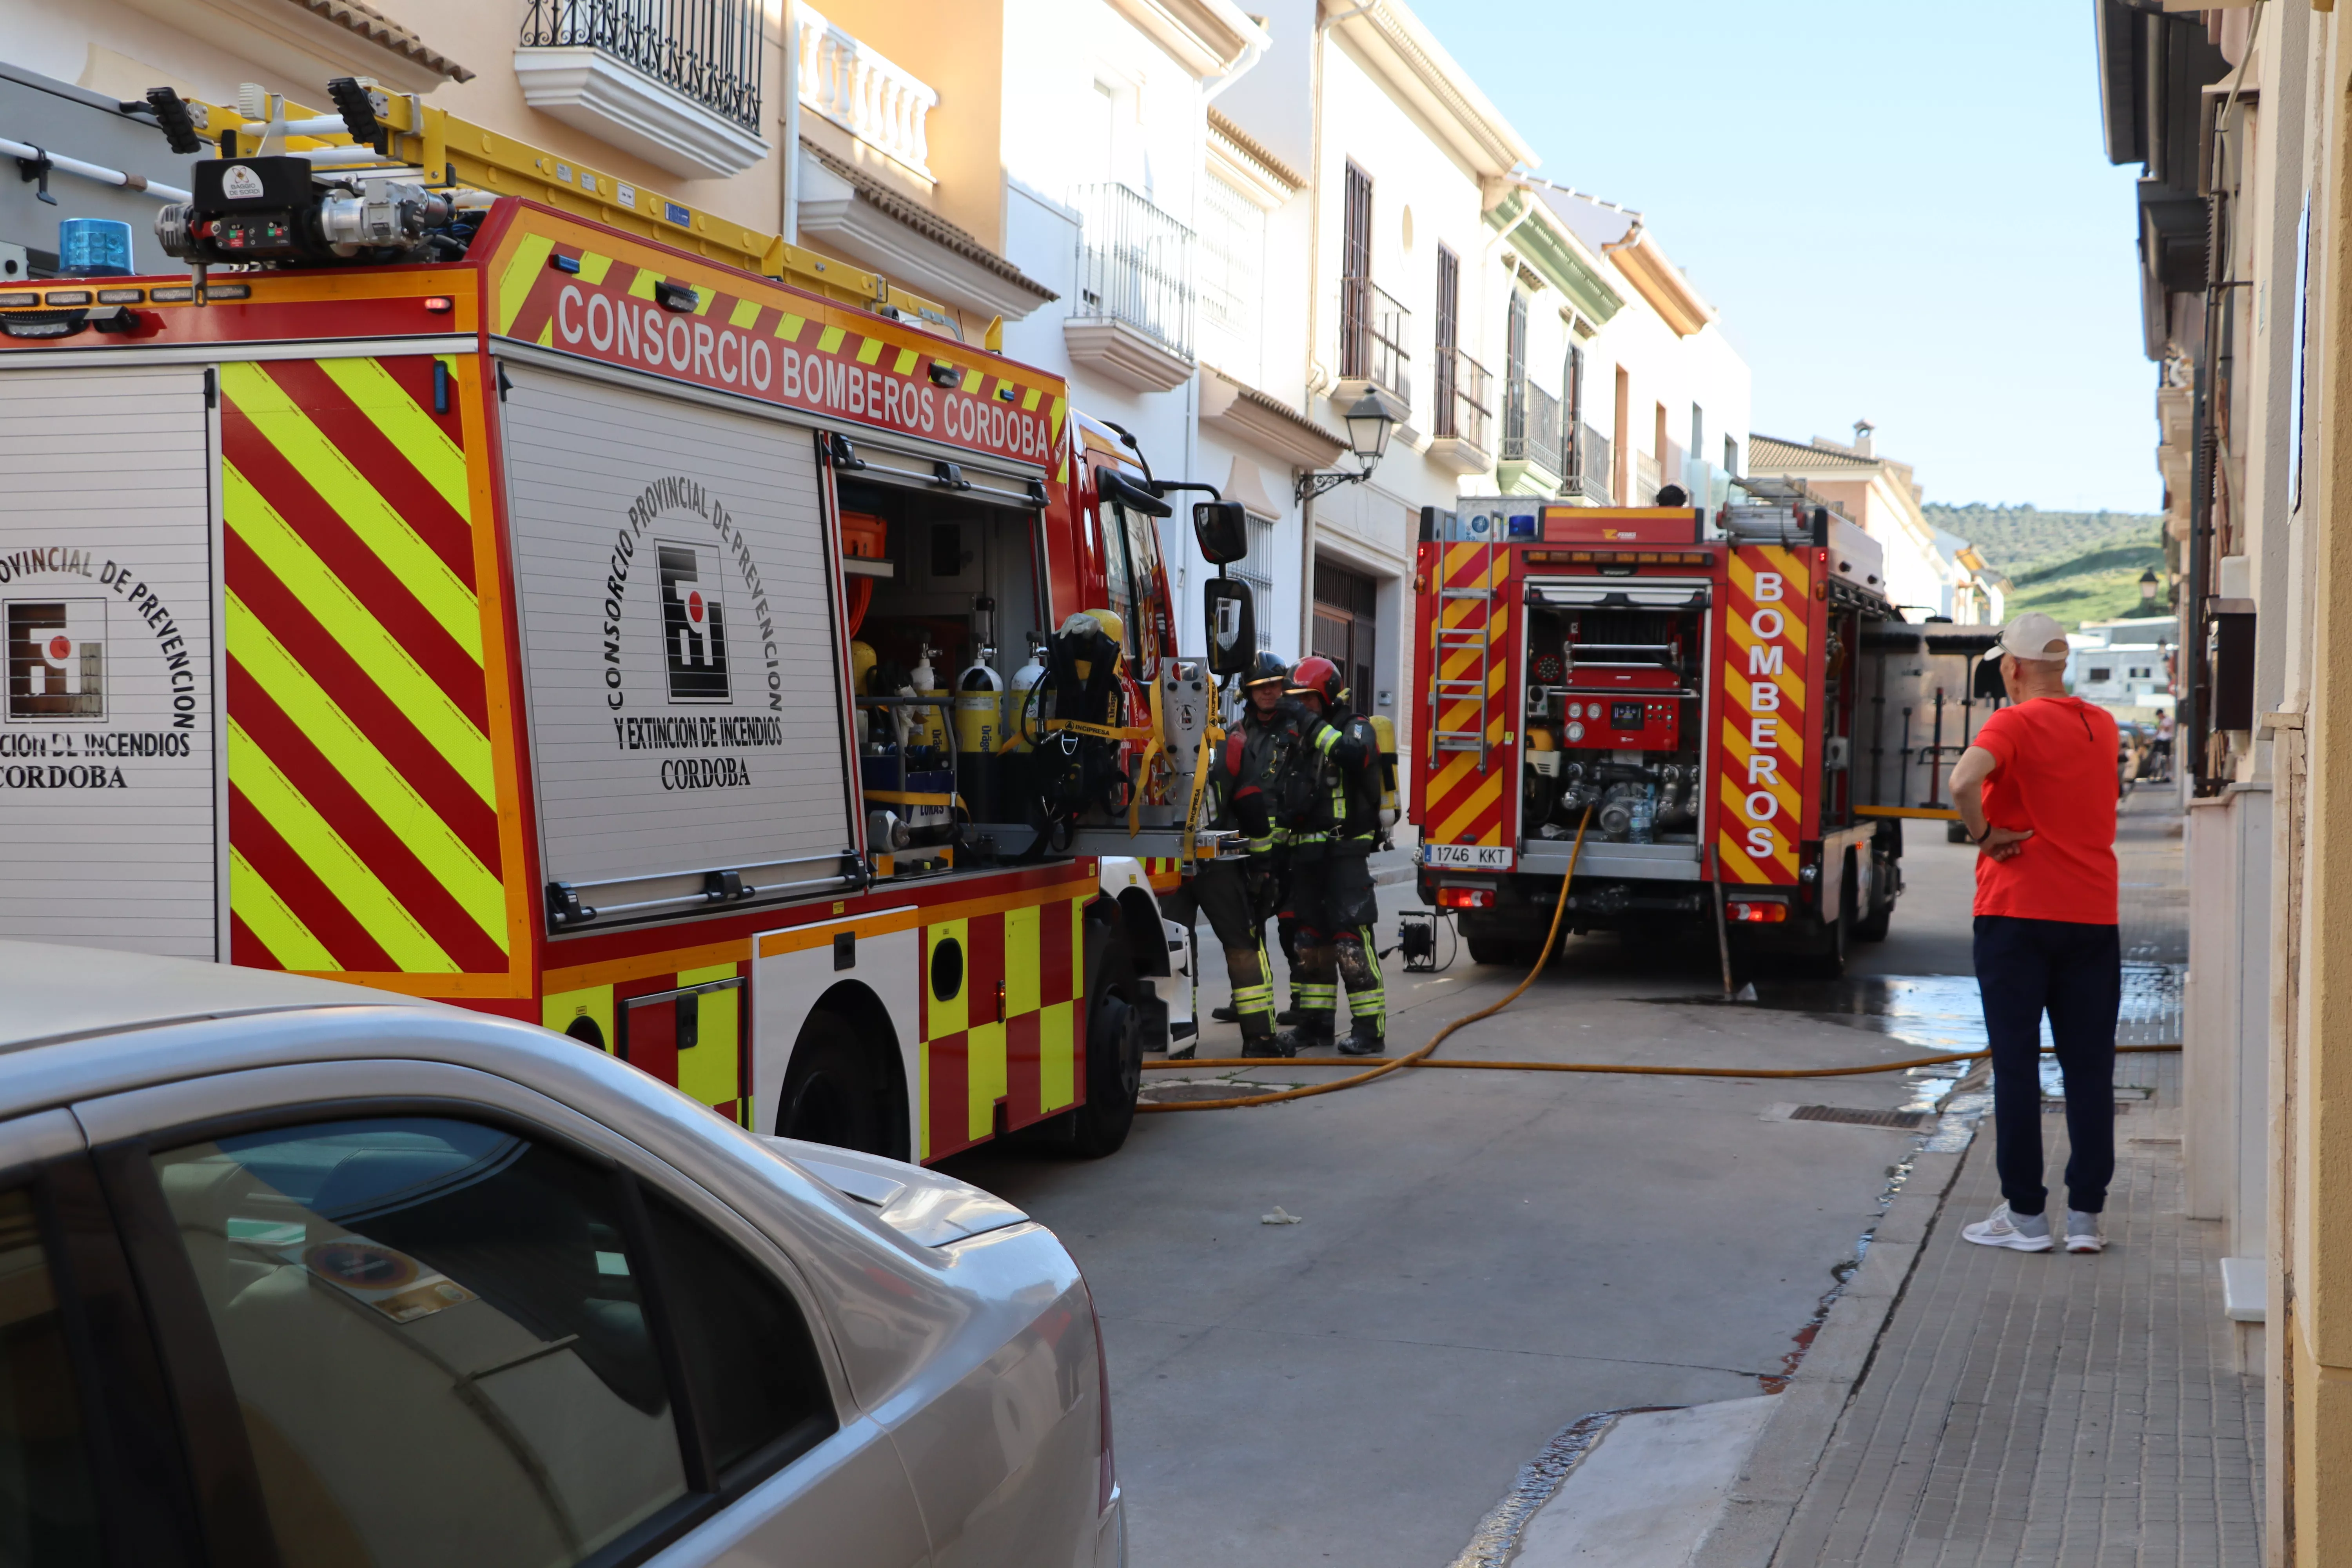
x=1356, y=277
x=1449, y=313
x=1257, y=569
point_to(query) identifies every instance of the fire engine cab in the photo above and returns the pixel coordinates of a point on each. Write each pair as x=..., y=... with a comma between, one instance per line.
x=1729, y=707
x=527, y=603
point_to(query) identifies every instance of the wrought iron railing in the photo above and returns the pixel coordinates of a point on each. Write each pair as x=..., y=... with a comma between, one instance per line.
x=1463, y=388
x=708, y=50
x=1372, y=337
x=1589, y=477
x=1135, y=265
x=1531, y=427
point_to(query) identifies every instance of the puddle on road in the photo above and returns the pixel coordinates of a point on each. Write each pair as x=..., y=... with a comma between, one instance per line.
x=1941, y=1013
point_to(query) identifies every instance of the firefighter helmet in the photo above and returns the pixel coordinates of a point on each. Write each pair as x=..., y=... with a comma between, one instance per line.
x=1266, y=669
x=1321, y=677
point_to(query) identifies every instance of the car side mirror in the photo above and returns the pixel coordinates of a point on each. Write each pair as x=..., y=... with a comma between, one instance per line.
x=1233, y=627
x=1221, y=528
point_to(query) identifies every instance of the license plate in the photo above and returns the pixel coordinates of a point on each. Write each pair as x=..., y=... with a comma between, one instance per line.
x=1468, y=857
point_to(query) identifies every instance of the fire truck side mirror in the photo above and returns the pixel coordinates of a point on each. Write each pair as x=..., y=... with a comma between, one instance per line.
x=1222, y=530
x=1233, y=627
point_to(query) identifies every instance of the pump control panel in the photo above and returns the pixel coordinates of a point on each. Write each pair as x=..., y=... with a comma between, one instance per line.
x=1620, y=723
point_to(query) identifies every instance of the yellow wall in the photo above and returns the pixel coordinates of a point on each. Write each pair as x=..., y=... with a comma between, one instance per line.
x=957, y=47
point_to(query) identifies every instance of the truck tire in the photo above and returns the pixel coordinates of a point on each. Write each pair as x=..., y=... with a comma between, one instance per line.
x=1872, y=927
x=1836, y=940
x=1114, y=1046
x=835, y=1091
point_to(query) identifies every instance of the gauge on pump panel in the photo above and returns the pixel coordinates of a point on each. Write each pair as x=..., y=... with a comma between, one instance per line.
x=1576, y=709
x=1575, y=732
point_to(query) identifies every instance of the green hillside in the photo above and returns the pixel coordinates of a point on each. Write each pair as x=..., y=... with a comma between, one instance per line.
x=2076, y=566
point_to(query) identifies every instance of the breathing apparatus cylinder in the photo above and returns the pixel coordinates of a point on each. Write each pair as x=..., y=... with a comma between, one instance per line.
x=1024, y=681
x=980, y=719
x=1385, y=731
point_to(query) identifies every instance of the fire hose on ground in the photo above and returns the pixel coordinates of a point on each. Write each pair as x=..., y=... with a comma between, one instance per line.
x=1422, y=1057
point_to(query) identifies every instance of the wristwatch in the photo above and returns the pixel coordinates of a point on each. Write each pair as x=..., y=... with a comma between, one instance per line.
x=1977, y=838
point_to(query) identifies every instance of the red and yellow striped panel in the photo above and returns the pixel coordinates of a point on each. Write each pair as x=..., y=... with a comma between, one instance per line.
x=364, y=834
x=1011, y=1032
x=712, y=1063
x=1461, y=802
x=1766, y=633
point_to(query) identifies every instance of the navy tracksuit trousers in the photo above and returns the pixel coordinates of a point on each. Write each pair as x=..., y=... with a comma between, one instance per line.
x=2076, y=973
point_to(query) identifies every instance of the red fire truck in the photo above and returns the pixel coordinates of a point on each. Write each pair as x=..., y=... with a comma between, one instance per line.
x=499, y=606
x=1733, y=701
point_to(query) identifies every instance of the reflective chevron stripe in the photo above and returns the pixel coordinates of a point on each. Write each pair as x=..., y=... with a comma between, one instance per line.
x=363, y=810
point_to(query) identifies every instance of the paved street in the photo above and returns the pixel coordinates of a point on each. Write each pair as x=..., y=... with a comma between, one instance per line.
x=1484, y=1257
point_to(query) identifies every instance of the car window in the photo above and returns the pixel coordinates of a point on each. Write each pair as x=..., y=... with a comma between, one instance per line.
x=437, y=1339
x=46, y=1508
x=759, y=1390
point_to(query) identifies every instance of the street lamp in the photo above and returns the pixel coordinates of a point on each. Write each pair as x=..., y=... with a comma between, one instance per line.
x=1368, y=424
x=2148, y=586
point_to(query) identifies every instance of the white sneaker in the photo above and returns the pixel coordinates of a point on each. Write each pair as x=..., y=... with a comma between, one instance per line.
x=2003, y=1228
x=2083, y=1232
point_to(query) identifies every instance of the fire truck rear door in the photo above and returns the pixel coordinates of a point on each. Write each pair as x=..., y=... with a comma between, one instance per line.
x=109, y=802
x=682, y=667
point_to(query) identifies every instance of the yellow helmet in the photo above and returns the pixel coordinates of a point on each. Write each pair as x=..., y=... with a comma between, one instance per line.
x=1113, y=627
x=861, y=664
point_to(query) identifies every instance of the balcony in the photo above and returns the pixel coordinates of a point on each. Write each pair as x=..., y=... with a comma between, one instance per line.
x=1460, y=388
x=1587, y=479
x=1372, y=325
x=1133, y=321
x=676, y=82
x=1534, y=461
x=882, y=104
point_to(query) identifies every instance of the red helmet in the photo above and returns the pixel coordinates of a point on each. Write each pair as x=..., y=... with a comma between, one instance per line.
x=1321, y=677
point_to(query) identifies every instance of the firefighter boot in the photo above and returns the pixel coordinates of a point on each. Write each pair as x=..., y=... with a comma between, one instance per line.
x=1312, y=1032
x=1359, y=964
x=1258, y=1039
x=1225, y=1014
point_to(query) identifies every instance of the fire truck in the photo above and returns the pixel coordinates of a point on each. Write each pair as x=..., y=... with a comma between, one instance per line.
x=1730, y=707
x=482, y=579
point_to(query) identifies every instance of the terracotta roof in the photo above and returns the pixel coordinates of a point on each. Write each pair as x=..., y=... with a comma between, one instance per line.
x=925, y=222
x=1255, y=151
x=1770, y=455
x=381, y=30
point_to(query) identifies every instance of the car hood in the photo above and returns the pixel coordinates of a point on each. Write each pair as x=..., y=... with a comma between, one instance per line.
x=926, y=1208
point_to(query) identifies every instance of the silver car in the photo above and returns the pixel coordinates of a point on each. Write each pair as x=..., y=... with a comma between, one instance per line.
x=300, y=1274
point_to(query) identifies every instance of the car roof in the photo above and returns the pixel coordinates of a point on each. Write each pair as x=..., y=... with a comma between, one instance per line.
x=57, y=993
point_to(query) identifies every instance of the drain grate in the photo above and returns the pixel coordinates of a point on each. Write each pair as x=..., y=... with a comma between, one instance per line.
x=1162, y=1094
x=1846, y=1113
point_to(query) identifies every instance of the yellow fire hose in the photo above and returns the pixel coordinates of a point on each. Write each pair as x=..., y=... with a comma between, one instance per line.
x=1420, y=1058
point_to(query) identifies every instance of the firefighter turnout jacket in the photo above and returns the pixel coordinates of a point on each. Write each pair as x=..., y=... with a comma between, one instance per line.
x=1248, y=770
x=1333, y=788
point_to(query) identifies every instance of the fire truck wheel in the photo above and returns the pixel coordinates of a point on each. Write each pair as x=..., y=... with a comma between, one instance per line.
x=1114, y=1046
x=1835, y=938
x=834, y=1092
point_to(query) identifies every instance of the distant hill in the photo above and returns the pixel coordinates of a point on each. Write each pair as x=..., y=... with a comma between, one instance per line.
x=2076, y=566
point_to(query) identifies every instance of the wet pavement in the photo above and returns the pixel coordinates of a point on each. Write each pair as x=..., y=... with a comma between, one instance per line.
x=1486, y=1256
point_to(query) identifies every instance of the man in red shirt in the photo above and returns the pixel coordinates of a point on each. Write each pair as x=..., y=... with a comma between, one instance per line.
x=2036, y=790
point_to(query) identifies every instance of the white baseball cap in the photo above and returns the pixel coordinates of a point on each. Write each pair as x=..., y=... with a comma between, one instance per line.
x=2031, y=634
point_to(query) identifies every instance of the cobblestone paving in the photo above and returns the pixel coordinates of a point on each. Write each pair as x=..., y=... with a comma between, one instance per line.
x=2054, y=1409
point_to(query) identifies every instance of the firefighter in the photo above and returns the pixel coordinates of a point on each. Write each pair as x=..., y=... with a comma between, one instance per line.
x=1331, y=797
x=1237, y=895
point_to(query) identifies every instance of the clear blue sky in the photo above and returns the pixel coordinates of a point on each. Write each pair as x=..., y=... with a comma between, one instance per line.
x=1904, y=213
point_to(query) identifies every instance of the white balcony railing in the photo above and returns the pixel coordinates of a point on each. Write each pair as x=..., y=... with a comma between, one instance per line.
x=880, y=103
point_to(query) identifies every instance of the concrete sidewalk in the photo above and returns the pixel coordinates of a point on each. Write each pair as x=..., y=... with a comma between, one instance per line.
x=2030, y=1408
